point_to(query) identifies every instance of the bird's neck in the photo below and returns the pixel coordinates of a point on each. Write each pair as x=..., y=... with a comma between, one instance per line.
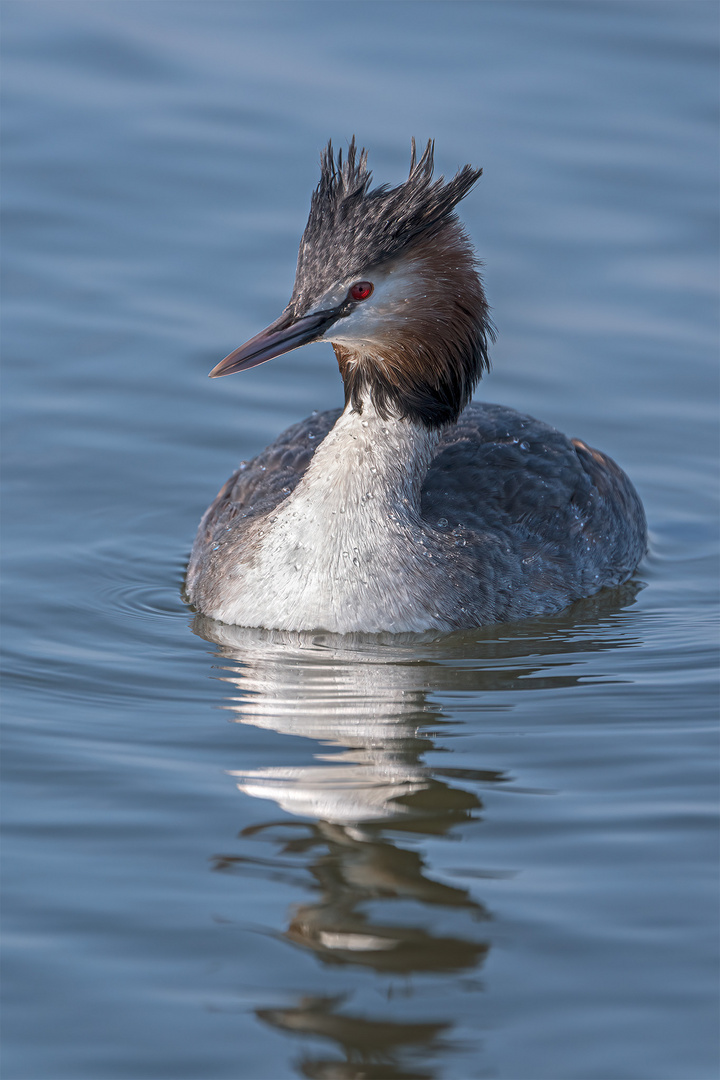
x=368, y=467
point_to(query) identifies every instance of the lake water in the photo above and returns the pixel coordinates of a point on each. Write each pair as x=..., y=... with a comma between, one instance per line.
x=240, y=854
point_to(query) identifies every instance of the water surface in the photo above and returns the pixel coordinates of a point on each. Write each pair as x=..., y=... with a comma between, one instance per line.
x=236, y=853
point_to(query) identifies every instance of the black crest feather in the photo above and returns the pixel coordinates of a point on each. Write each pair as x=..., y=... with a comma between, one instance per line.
x=352, y=228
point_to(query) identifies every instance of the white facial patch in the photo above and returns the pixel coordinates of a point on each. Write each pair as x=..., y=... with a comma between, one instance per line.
x=395, y=293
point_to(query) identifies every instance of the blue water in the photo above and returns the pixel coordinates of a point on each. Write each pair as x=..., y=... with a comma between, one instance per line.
x=241, y=854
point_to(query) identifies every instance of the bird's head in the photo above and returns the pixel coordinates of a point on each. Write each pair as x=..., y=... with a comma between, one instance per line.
x=388, y=276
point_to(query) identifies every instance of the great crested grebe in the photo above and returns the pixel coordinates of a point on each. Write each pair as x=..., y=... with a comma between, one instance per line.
x=410, y=509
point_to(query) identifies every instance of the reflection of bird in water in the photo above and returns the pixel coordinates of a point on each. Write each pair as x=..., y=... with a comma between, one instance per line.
x=370, y=714
x=411, y=510
x=370, y=892
x=355, y=867
x=368, y=813
x=362, y=1040
x=370, y=722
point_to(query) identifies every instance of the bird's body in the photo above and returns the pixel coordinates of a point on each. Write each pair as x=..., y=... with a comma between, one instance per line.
x=409, y=510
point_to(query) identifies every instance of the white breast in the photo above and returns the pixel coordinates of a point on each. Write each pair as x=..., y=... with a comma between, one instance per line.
x=345, y=550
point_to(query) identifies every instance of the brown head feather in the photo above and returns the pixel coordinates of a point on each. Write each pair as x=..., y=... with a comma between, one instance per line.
x=428, y=371
x=429, y=368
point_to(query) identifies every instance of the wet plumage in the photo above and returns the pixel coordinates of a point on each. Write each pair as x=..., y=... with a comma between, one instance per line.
x=410, y=509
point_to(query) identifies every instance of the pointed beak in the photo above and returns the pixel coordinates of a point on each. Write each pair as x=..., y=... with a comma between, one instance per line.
x=278, y=338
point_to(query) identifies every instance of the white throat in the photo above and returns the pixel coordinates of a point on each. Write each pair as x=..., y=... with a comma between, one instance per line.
x=345, y=551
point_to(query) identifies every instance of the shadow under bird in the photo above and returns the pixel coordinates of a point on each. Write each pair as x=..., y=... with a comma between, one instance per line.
x=410, y=509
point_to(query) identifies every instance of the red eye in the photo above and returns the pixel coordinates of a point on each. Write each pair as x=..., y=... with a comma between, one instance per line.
x=361, y=290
